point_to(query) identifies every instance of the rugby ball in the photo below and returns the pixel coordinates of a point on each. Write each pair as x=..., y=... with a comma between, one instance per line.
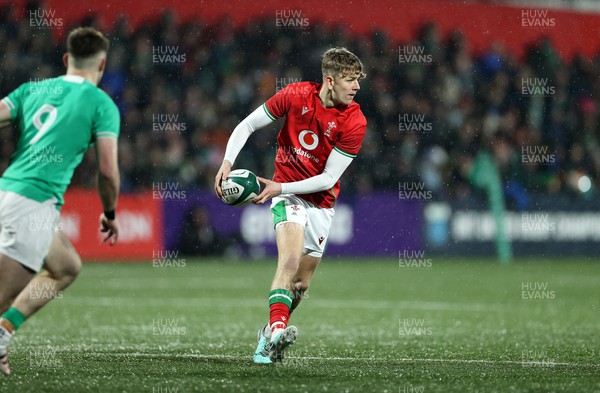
x=240, y=187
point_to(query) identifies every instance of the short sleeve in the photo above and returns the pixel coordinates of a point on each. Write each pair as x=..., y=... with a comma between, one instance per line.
x=107, y=122
x=14, y=100
x=351, y=140
x=278, y=105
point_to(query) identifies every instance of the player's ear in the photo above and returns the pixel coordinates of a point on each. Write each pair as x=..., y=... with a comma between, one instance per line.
x=102, y=64
x=66, y=60
x=329, y=82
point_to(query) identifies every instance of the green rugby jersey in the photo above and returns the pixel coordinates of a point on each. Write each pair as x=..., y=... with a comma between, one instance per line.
x=59, y=119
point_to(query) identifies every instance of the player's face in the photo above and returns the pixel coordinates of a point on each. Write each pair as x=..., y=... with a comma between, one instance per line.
x=345, y=88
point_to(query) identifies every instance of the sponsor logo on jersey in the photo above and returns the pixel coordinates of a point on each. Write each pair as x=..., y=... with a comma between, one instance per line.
x=288, y=154
x=304, y=109
x=308, y=139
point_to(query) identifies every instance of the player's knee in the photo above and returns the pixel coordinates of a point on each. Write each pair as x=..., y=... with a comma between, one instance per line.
x=69, y=269
x=73, y=268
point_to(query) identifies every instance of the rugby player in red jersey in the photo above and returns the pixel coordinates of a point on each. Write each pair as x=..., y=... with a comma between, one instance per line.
x=323, y=131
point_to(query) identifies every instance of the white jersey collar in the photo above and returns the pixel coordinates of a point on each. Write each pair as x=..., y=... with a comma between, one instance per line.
x=73, y=78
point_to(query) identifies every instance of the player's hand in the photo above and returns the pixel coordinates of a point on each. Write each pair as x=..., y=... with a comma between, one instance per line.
x=222, y=175
x=111, y=228
x=270, y=190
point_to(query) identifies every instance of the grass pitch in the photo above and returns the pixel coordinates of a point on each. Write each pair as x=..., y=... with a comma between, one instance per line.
x=366, y=326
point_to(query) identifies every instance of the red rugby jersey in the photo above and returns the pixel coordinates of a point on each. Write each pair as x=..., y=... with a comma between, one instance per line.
x=310, y=133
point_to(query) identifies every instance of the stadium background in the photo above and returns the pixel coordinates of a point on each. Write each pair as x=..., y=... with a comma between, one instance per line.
x=185, y=73
x=453, y=321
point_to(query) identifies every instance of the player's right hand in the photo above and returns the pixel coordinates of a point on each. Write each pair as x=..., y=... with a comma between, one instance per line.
x=270, y=190
x=222, y=175
x=111, y=228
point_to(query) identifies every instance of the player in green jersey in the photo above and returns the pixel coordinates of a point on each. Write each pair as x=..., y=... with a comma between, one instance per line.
x=58, y=120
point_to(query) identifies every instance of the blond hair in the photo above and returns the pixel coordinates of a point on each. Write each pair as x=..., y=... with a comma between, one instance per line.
x=340, y=61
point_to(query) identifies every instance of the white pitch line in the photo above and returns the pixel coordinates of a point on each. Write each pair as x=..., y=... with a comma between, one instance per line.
x=107, y=301
x=482, y=361
x=422, y=360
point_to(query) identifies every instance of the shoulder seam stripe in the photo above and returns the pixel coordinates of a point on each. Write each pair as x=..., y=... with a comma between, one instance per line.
x=8, y=102
x=343, y=152
x=267, y=112
x=106, y=133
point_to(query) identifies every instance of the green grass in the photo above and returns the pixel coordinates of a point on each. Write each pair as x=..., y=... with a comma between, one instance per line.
x=475, y=331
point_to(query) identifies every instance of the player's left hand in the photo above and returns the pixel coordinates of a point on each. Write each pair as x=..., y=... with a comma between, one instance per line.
x=270, y=190
x=110, y=228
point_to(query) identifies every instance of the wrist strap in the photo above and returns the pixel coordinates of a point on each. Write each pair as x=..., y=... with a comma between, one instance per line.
x=110, y=215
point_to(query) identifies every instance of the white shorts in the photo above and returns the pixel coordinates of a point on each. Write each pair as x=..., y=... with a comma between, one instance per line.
x=26, y=228
x=316, y=221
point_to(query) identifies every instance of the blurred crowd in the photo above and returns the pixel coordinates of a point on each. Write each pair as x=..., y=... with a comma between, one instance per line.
x=182, y=88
